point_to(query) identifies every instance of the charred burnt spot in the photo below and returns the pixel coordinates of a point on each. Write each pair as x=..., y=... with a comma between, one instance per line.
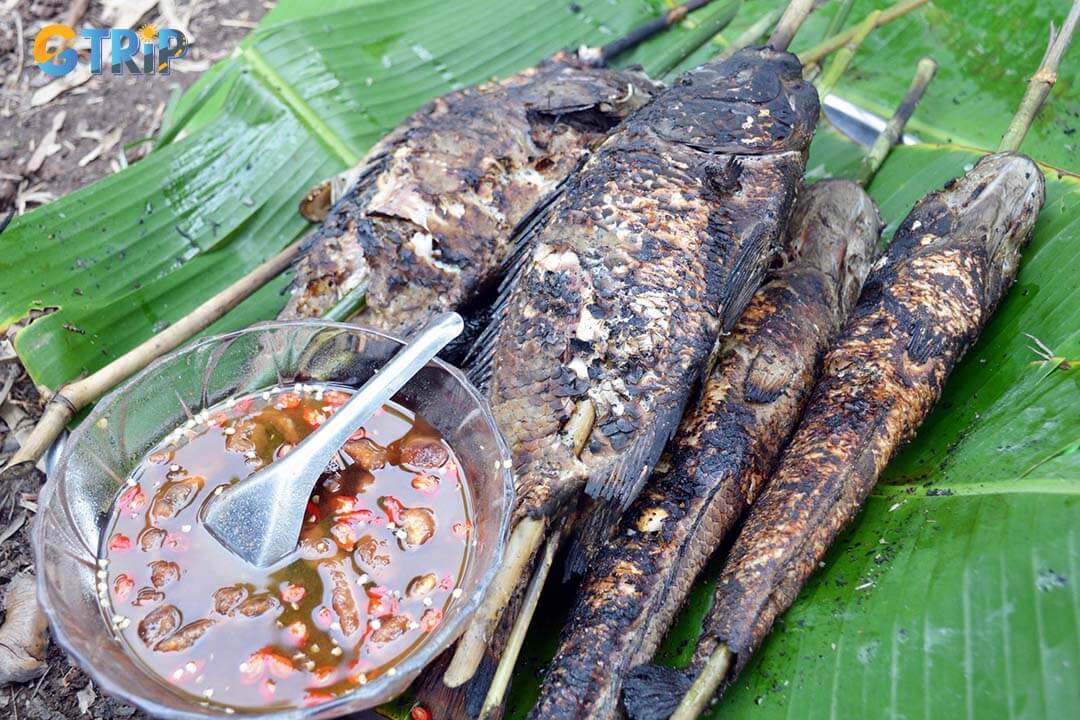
x=566, y=383
x=926, y=343
x=620, y=429
x=593, y=120
x=722, y=178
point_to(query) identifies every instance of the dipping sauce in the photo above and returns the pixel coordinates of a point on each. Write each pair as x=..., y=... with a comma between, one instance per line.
x=383, y=547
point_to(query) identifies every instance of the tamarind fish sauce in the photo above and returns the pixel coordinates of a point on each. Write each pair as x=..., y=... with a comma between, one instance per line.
x=383, y=547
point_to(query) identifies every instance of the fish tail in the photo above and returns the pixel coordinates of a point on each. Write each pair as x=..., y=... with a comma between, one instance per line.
x=652, y=692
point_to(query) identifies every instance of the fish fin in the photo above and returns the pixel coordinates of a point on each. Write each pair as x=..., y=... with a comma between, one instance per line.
x=747, y=274
x=480, y=357
x=925, y=343
x=590, y=537
x=636, y=461
x=652, y=692
x=767, y=378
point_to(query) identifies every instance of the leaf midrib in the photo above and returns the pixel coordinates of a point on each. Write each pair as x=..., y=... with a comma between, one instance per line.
x=1013, y=486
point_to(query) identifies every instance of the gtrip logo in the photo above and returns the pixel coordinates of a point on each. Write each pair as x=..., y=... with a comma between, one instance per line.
x=146, y=52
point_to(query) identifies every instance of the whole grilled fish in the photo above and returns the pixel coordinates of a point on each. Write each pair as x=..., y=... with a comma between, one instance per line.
x=721, y=456
x=431, y=215
x=949, y=265
x=651, y=250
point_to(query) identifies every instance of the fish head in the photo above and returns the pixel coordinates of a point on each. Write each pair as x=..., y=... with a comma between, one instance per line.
x=753, y=103
x=564, y=84
x=989, y=212
x=836, y=229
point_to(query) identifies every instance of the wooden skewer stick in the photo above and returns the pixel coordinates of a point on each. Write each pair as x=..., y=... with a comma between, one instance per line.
x=894, y=129
x=73, y=397
x=843, y=57
x=815, y=54
x=1041, y=82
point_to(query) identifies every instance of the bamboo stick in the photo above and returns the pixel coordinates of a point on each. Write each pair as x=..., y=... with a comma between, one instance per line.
x=1041, y=82
x=73, y=397
x=815, y=54
x=894, y=129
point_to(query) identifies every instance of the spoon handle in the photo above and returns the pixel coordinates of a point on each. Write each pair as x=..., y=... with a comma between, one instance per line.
x=320, y=447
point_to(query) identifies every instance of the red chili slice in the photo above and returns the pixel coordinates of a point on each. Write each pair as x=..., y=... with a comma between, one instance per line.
x=122, y=586
x=287, y=401
x=323, y=676
x=392, y=507
x=292, y=593
x=120, y=543
x=132, y=500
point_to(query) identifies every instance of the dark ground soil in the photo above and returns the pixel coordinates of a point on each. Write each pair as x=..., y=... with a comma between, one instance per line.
x=94, y=110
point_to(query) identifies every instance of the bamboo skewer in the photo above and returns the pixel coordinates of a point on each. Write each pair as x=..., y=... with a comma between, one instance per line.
x=1041, y=82
x=66, y=402
x=715, y=670
x=815, y=54
x=891, y=135
x=840, y=62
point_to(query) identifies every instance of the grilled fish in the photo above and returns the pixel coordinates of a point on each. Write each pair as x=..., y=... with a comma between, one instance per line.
x=430, y=217
x=650, y=251
x=950, y=263
x=722, y=453
x=427, y=221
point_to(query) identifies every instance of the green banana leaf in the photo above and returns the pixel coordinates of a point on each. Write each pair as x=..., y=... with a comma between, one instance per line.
x=120, y=259
x=956, y=592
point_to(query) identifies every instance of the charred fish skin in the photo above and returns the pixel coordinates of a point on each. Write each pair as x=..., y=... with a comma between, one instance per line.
x=724, y=450
x=431, y=215
x=951, y=262
x=635, y=269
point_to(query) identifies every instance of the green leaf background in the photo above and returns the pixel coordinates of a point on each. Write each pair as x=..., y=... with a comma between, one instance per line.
x=955, y=593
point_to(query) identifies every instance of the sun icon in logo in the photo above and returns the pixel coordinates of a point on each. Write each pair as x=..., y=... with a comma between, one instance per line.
x=148, y=33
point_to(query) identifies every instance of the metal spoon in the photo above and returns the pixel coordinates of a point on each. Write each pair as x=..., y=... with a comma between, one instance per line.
x=259, y=518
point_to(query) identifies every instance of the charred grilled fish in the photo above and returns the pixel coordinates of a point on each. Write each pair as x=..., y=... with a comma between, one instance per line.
x=727, y=446
x=951, y=261
x=429, y=217
x=651, y=250
x=721, y=456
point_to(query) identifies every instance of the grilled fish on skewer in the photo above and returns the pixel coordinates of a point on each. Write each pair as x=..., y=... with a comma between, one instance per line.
x=949, y=265
x=720, y=458
x=726, y=446
x=429, y=219
x=652, y=248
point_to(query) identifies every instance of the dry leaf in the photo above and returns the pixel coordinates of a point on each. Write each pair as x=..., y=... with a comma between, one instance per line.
x=125, y=13
x=48, y=145
x=104, y=145
x=47, y=93
x=23, y=636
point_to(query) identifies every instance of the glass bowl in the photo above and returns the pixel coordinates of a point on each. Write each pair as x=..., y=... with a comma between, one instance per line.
x=75, y=504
